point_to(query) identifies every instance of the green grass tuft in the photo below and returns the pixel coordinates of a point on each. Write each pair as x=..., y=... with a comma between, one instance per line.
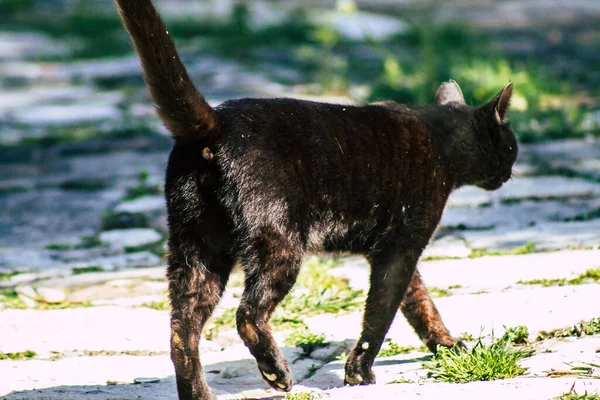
x=482, y=363
x=589, y=276
x=86, y=270
x=59, y=246
x=303, y=396
x=5, y=276
x=400, y=380
x=225, y=320
x=437, y=292
x=572, y=395
x=394, y=349
x=158, y=305
x=21, y=355
x=582, y=328
x=142, y=188
x=527, y=248
x=316, y=292
x=311, y=371
x=9, y=298
x=123, y=220
x=306, y=340
x=516, y=335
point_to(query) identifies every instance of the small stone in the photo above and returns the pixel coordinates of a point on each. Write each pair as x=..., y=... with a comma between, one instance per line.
x=51, y=295
x=27, y=295
x=145, y=204
x=329, y=352
x=146, y=380
x=130, y=237
x=229, y=372
x=26, y=291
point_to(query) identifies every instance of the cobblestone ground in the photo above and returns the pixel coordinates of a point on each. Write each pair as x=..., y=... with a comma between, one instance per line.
x=82, y=227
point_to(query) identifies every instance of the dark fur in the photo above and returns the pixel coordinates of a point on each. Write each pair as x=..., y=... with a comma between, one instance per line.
x=265, y=181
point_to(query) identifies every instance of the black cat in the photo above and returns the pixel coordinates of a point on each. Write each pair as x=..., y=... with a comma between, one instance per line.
x=265, y=181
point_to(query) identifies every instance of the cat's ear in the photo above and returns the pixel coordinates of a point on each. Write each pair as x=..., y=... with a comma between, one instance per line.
x=449, y=93
x=501, y=102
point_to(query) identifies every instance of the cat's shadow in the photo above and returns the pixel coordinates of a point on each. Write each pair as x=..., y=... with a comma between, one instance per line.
x=237, y=377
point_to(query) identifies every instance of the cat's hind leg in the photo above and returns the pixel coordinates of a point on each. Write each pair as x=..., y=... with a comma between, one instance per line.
x=391, y=272
x=424, y=317
x=271, y=265
x=200, y=259
x=196, y=283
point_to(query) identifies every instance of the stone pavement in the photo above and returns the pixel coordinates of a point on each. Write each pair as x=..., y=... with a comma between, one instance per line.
x=80, y=350
x=82, y=227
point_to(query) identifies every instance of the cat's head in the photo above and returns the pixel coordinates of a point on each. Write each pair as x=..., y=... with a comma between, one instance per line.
x=495, y=146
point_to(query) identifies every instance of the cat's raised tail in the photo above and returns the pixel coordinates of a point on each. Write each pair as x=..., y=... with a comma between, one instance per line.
x=183, y=110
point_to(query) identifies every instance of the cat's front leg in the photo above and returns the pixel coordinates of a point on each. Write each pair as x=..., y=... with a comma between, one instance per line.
x=424, y=317
x=271, y=265
x=391, y=274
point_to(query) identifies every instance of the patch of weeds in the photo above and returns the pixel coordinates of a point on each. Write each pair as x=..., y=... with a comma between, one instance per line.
x=589, y=276
x=306, y=340
x=480, y=292
x=439, y=258
x=466, y=336
x=303, y=396
x=393, y=349
x=158, y=305
x=572, y=395
x=14, y=189
x=55, y=136
x=97, y=34
x=437, y=292
x=156, y=248
x=84, y=185
x=5, y=276
x=11, y=8
x=112, y=353
x=20, y=355
x=86, y=270
x=312, y=370
x=481, y=363
x=400, y=380
x=287, y=322
x=463, y=227
x=88, y=242
x=59, y=246
x=516, y=334
x=544, y=123
x=225, y=320
x=527, y=248
x=342, y=357
x=317, y=292
x=61, y=306
x=143, y=188
x=9, y=298
x=582, y=328
x=122, y=220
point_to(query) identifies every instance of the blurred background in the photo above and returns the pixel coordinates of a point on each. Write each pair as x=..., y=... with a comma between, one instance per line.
x=82, y=154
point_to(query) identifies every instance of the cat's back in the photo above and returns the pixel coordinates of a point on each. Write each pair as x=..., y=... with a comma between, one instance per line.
x=288, y=126
x=318, y=156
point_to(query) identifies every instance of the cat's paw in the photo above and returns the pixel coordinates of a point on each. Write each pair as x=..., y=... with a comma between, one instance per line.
x=358, y=372
x=278, y=378
x=448, y=342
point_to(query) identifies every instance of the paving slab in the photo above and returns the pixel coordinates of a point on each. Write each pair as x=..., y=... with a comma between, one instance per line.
x=482, y=314
x=524, y=188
